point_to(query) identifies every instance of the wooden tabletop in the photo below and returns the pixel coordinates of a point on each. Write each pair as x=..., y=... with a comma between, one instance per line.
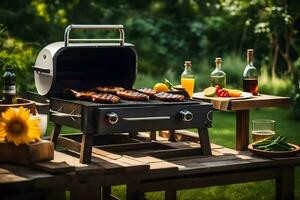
x=261, y=101
x=128, y=163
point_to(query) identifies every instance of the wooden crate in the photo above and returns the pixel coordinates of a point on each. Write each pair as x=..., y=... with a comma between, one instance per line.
x=26, y=154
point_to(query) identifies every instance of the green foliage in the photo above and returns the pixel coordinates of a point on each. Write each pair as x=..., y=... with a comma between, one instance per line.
x=18, y=55
x=165, y=33
x=275, y=85
x=296, y=96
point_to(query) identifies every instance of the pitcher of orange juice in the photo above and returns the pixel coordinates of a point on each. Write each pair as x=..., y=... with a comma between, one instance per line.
x=188, y=78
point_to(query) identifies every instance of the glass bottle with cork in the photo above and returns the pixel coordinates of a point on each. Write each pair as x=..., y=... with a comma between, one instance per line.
x=218, y=77
x=250, y=76
x=9, y=86
x=188, y=78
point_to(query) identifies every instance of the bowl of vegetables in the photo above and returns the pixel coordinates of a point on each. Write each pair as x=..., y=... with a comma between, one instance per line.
x=276, y=146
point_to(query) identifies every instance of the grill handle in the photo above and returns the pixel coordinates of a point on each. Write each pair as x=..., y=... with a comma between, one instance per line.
x=146, y=118
x=120, y=27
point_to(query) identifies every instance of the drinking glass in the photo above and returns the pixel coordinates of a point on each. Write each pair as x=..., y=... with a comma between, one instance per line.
x=43, y=122
x=262, y=128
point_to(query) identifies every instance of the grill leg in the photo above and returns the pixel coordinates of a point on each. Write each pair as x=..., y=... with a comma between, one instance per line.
x=55, y=133
x=86, y=148
x=204, y=141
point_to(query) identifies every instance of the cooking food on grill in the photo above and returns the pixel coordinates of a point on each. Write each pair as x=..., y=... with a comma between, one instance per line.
x=132, y=95
x=109, y=89
x=93, y=96
x=105, y=98
x=147, y=91
x=86, y=96
x=163, y=96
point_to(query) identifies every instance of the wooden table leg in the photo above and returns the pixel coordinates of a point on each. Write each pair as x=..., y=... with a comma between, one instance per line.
x=55, y=133
x=106, y=192
x=54, y=193
x=285, y=183
x=86, y=148
x=204, y=141
x=85, y=192
x=172, y=136
x=152, y=135
x=133, y=194
x=242, y=130
x=170, y=195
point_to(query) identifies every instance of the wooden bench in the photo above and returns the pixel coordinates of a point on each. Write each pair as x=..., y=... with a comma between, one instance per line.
x=144, y=167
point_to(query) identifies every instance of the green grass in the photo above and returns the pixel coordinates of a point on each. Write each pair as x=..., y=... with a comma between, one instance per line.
x=223, y=133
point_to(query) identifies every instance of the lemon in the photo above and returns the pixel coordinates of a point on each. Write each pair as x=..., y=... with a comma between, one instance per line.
x=160, y=87
x=210, y=92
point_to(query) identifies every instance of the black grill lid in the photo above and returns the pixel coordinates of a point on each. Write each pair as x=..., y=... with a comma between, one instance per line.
x=85, y=66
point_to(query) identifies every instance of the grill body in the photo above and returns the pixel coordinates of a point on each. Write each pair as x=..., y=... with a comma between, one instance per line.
x=93, y=118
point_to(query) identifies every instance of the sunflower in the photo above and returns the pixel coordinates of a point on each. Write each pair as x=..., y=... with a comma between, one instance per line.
x=17, y=127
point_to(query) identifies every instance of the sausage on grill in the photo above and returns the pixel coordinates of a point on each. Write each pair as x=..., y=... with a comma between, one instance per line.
x=108, y=89
x=92, y=96
x=163, y=96
x=148, y=91
x=132, y=95
x=86, y=96
x=105, y=98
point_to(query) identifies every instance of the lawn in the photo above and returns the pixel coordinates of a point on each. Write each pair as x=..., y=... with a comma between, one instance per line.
x=223, y=133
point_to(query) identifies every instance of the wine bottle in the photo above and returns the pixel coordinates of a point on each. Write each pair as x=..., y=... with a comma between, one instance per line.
x=9, y=86
x=250, y=76
x=218, y=77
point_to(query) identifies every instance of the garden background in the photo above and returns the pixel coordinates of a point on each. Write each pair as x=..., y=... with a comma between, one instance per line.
x=165, y=34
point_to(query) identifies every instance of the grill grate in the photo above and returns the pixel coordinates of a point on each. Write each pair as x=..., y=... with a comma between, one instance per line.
x=125, y=103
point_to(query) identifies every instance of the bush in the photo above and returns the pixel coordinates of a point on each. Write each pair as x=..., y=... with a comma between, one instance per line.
x=17, y=54
x=296, y=96
x=276, y=86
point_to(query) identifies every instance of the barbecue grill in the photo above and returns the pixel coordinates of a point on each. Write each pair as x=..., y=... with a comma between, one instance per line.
x=82, y=66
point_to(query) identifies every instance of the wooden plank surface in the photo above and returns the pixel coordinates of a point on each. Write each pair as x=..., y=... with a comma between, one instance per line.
x=261, y=101
x=194, y=181
x=131, y=163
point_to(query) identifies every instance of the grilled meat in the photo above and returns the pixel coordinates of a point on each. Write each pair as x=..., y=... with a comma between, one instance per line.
x=132, y=95
x=105, y=98
x=86, y=96
x=148, y=91
x=163, y=96
x=108, y=89
x=93, y=96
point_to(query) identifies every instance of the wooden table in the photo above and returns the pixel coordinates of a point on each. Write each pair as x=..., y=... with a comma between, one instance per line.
x=242, y=108
x=144, y=167
x=27, y=183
